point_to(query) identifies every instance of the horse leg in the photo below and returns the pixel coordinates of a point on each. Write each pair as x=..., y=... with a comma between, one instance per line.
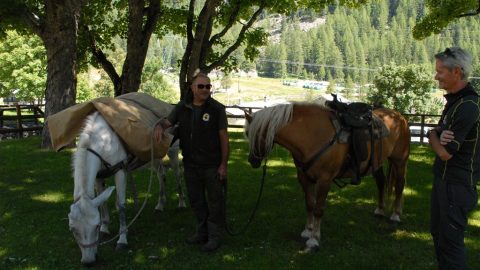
x=175, y=165
x=379, y=176
x=161, y=176
x=120, y=182
x=322, y=188
x=309, y=190
x=397, y=174
x=105, y=216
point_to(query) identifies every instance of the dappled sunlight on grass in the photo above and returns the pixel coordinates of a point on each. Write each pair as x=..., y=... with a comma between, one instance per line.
x=16, y=188
x=408, y=192
x=49, y=197
x=403, y=234
x=229, y=258
x=283, y=188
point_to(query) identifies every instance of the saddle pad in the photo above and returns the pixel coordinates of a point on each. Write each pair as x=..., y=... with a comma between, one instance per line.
x=132, y=116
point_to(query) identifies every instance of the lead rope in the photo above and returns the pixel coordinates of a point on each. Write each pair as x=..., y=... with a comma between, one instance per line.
x=144, y=201
x=252, y=214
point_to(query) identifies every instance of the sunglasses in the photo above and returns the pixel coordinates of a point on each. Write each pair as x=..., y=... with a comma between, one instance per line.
x=449, y=53
x=207, y=86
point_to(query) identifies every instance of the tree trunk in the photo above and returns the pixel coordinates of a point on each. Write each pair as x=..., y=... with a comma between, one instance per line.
x=140, y=29
x=60, y=38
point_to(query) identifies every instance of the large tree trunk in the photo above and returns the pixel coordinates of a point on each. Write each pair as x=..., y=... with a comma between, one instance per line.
x=60, y=38
x=140, y=29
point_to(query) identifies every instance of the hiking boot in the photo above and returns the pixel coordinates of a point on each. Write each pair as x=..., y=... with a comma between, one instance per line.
x=211, y=245
x=196, y=240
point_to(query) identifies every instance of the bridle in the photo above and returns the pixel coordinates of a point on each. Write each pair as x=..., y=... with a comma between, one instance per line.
x=90, y=245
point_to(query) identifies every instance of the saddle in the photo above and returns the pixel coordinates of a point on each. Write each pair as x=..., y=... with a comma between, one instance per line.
x=356, y=125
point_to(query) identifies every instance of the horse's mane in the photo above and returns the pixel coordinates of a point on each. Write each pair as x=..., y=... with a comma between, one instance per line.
x=265, y=125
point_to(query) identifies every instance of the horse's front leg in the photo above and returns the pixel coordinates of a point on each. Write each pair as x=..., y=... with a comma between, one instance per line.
x=322, y=188
x=121, y=183
x=309, y=191
x=104, y=214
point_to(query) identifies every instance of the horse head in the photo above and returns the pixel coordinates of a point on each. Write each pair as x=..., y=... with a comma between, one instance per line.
x=84, y=222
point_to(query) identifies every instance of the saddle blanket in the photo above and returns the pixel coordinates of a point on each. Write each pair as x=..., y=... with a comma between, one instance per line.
x=132, y=116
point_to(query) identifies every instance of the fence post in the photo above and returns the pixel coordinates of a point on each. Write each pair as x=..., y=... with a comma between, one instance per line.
x=19, y=121
x=422, y=127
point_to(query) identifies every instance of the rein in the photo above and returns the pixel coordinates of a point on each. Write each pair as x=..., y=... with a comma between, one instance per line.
x=252, y=214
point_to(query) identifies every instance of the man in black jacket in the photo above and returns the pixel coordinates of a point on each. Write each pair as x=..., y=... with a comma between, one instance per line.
x=456, y=169
x=204, y=142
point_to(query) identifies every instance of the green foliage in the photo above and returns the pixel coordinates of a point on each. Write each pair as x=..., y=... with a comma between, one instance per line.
x=153, y=82
x=407, y=89
x=440, y=14
x=23, y=67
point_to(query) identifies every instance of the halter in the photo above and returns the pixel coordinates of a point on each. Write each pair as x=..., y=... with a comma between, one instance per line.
x=90, y=245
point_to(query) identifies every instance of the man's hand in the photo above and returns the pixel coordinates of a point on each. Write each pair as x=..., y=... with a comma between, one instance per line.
x=222, y=172
x=446, y=136
x=158, y=133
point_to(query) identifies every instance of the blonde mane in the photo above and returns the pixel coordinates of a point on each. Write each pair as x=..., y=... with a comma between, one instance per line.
x=265, y=125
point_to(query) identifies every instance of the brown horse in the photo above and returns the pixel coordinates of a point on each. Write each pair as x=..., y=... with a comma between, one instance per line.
x=305, y=129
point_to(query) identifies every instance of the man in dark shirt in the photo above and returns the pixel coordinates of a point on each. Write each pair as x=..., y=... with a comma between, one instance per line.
x=203, y=138
x=456, y=169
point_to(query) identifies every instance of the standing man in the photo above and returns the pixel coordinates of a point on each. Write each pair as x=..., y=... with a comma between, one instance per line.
x=456, y=169
x=203, y=138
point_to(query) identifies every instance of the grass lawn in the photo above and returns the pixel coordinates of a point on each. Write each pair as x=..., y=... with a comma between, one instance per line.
x=36, y=190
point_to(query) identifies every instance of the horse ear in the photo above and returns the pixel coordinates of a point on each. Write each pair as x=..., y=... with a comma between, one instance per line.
x=103, y=196
x=248, y=117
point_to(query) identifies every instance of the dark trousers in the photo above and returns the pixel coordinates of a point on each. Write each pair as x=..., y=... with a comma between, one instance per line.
x=450, y=205
x=206, y=200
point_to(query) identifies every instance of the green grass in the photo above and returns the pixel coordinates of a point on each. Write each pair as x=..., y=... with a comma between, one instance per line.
x=253, y=89
x=36, y=190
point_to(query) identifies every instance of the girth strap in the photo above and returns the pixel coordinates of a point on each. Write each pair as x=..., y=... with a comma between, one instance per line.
x=307, y=165
x=109, y=170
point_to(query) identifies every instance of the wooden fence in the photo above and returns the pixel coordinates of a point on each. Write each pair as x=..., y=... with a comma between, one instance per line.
x=27, y=120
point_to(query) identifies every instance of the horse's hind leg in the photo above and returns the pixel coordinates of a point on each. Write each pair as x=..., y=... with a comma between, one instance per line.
x=175, y=165
x=120, y=182
x=398, y=175
x=104, y=214
x=161, y=172
x=379, y=176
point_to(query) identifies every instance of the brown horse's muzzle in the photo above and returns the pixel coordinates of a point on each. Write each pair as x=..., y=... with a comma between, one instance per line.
x=254, y=162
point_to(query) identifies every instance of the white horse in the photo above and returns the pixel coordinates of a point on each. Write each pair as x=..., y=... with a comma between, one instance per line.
x=99, y=147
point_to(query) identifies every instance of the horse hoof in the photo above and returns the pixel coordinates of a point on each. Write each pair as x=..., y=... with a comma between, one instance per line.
x=395, y=219
x=104, y=235
x=311, y=250
x=182, y=205
x=121, y=247
x=379, y=213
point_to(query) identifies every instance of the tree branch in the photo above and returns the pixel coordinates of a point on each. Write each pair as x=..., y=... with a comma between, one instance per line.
x=473, y=13
x=231, y=21
x=239, y=40
x=102, y=59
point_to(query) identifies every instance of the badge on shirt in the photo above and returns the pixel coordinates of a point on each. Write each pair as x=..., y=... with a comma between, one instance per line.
x=206, y=117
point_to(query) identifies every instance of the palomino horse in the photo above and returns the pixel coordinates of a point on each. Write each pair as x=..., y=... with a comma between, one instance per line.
x=306, y=130
x=99, y=145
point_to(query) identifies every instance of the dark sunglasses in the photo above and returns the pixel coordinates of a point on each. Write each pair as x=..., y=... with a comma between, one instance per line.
x=449, y=53
x=201, y=86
